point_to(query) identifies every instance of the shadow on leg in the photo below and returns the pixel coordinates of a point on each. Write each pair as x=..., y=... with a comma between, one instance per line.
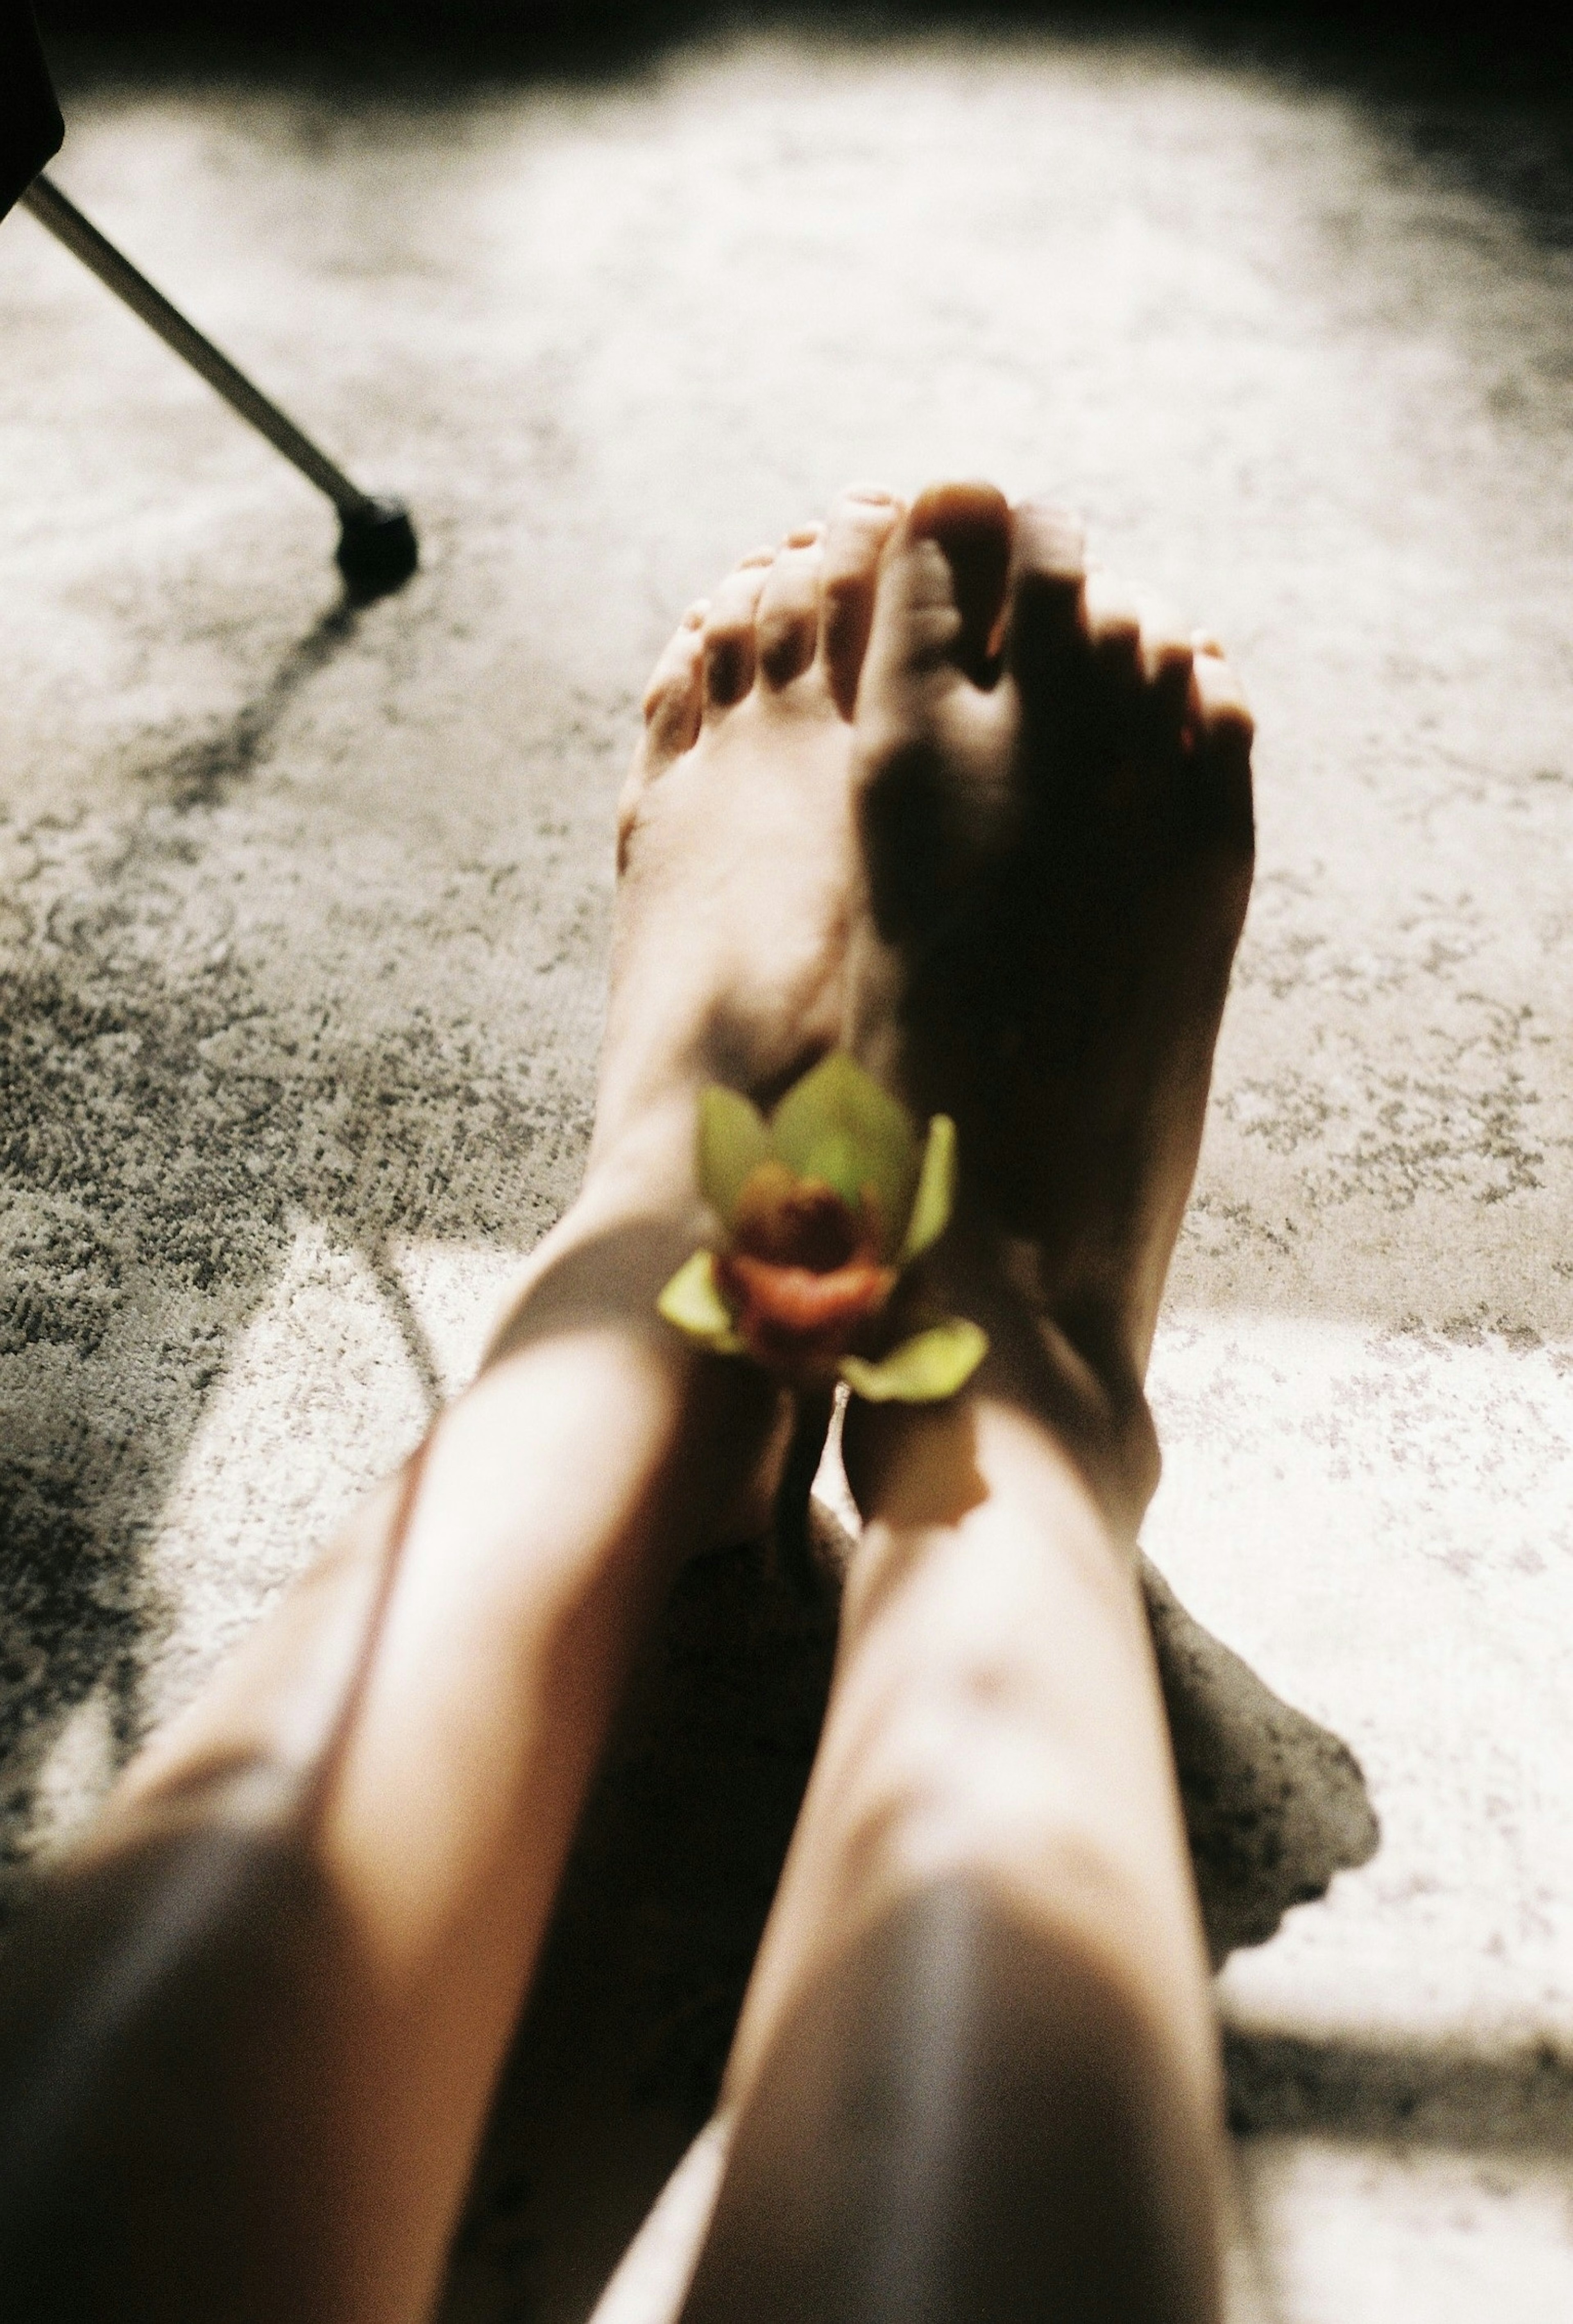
x=967, y=2119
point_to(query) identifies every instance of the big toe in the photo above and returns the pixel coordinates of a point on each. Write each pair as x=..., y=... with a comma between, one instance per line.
x=933, y=768
x=940, y=588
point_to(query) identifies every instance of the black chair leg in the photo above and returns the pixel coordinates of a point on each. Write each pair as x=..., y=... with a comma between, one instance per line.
x=377, y=547
x=30, y=128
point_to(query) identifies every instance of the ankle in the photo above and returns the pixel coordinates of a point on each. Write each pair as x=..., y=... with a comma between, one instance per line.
x=1073, y=1377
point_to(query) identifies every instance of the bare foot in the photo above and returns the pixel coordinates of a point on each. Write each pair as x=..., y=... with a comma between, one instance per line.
x=735, y=846
x=1054, y=803
x=735, y=861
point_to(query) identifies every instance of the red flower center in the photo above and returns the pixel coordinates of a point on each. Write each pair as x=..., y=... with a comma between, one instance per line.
x=803, y=1272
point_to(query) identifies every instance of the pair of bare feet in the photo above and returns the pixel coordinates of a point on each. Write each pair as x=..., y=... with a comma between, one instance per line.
x=920, y=784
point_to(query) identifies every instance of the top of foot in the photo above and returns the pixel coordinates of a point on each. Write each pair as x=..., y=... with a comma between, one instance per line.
x=1053, y=800
x=734, y=827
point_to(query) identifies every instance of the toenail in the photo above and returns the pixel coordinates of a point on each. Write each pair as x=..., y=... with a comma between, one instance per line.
x=756, y=556
x=804, y=536
x=694, y=619
x=871, y=495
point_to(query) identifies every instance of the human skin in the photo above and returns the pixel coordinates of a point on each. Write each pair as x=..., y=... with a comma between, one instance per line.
x=975, y=2075
x=333, y=1874
x=250, y=2028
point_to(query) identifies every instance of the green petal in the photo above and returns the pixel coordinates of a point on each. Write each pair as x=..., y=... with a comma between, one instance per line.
x=936, y=1189
x=922, y=1370
x=693, y=1301
x=732, y=1142
x=840, y=1126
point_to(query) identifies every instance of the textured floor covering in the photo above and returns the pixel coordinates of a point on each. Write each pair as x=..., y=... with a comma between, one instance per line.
x=303, y=915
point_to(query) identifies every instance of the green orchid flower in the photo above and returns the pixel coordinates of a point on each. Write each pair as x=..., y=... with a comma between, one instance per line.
x=823, y=1207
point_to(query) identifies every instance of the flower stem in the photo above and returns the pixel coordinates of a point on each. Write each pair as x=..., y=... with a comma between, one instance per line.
x=809, y=1430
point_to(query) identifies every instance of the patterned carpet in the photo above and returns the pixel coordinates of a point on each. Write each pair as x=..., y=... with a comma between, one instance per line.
x=302, y=925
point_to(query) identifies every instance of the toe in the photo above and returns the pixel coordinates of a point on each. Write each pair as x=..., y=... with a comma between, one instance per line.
x=1167, y=653
x=673, y=702
x=675, y=695
x=861, y=524
x=787, y=622
x=940, y=586
x=1114, y=629
x=1048, y=592
x=933, y=756
x=731, y=645
x=1221, y=731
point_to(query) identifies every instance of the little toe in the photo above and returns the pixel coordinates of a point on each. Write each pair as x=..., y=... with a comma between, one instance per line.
x=1221, y=732
x=861, y=524
x=730, y=643
x=672, y=703
x=675, y=695
x=787, y=622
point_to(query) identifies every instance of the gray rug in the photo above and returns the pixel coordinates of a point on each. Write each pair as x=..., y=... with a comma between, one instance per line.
x=303, y=915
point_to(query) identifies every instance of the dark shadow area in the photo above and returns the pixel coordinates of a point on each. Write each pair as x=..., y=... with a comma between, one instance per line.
x=1275, y=1804
x=1516, y=47
x=960, y=2118
x=1513, y=2101
x=173, y=1945
x=1518, y=154
x=621, y=2056
x=202, y=773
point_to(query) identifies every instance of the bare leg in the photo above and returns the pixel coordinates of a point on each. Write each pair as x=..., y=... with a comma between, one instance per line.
x=975, y=2076
x=249, y=2034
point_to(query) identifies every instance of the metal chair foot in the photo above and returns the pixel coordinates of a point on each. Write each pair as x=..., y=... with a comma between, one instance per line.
x=377, y=549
